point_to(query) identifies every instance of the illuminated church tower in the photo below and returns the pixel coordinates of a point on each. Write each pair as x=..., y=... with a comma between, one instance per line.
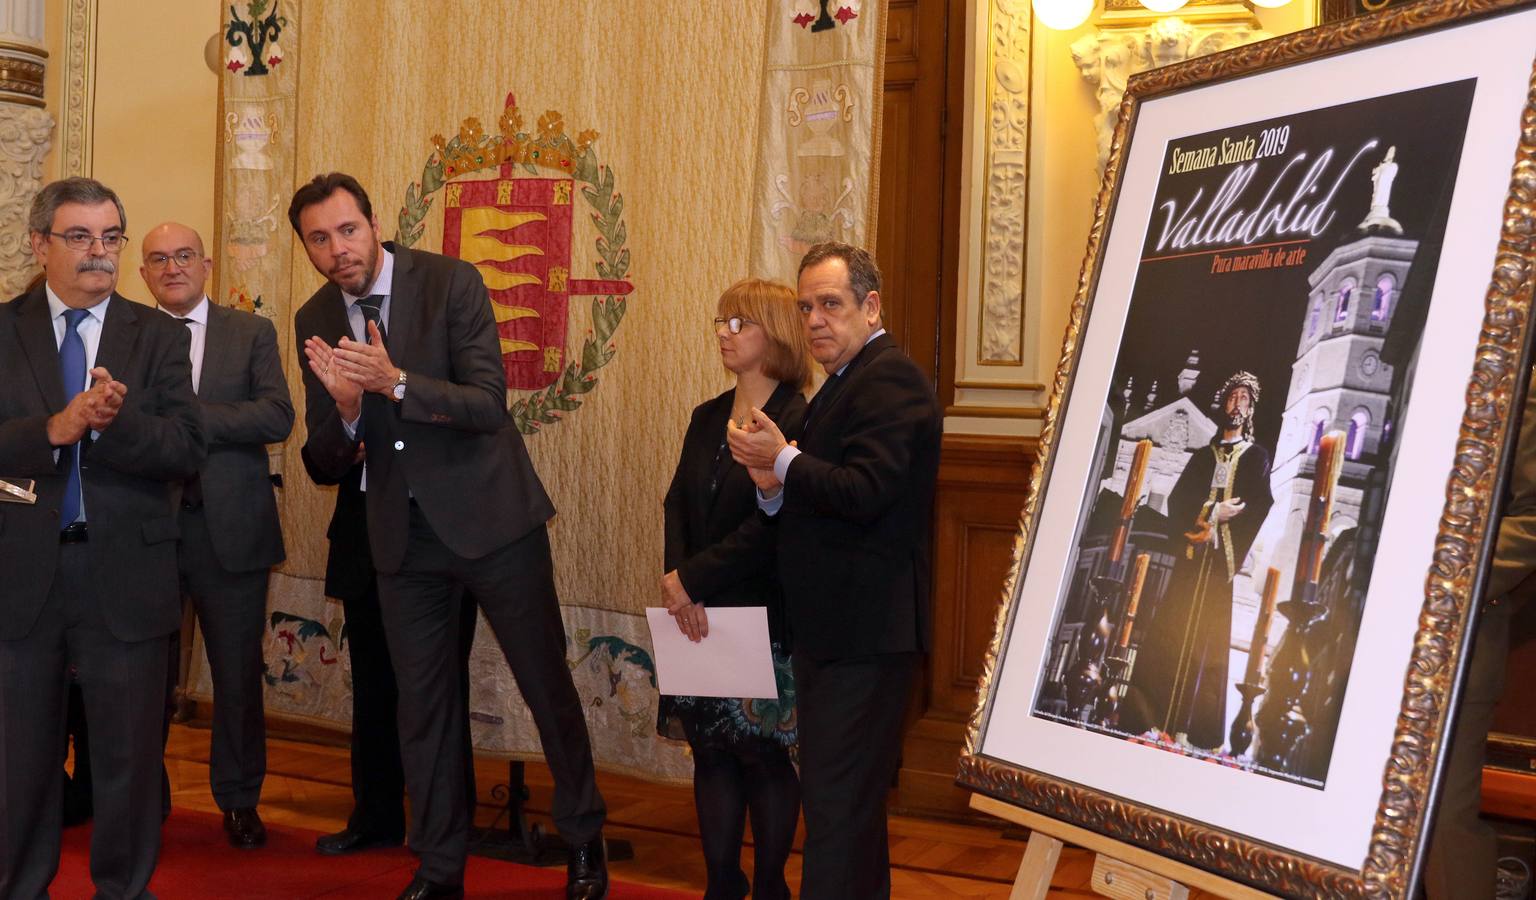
x=1339, y=381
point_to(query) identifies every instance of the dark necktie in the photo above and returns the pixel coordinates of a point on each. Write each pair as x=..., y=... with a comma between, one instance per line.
x=192, y=488
x=372, y=307
x=822, y=399
x=72, y=372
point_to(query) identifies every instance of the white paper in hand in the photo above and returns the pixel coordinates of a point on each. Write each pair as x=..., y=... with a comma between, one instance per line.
x=734, y=661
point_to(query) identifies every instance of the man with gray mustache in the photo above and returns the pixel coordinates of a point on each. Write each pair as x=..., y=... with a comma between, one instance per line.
x=97, y=413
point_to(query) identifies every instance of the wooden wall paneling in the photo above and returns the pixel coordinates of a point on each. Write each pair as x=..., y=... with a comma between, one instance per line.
x=910, y=239
x=954, y=155
x=976, y=513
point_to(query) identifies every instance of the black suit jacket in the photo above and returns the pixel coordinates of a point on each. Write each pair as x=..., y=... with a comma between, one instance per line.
x=349, y=574
x=854, y=536
x=129, y=474
x=245, y=405
x=451, y=444
x=712, y=498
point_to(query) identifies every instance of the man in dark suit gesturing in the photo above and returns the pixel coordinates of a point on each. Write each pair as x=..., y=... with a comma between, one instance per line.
x=452, y=502
x=96, y=407
x=378, y=777
x=853, y=504
x=230, y=536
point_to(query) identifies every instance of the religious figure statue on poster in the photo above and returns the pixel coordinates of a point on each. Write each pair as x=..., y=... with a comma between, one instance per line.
x=1178, y=685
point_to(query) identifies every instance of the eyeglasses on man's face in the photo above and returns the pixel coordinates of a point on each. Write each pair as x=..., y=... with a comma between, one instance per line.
x=734, y=324
x=183, y=259
x=111, y=242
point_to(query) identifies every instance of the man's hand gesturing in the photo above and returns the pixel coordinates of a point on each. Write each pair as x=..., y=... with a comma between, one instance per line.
x=107, y=397
x=347, y=393
x=758, y=444
x=90, y=410
x=367, y=365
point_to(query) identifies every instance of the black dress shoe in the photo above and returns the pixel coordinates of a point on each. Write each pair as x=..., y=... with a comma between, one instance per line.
x=586, y=871
x=422, y=889
x=349, y=841
x=244, y=828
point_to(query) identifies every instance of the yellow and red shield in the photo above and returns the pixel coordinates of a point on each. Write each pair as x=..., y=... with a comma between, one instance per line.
x=507, y=204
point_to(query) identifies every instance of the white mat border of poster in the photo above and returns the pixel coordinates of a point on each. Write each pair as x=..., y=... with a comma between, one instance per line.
x=1209, y=814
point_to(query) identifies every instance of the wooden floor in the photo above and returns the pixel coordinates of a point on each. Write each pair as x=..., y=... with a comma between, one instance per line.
x=307, y=786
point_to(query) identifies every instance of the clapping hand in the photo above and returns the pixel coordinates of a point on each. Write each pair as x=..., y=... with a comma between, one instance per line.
x=758, y=444
x=105, y=399
x=347, y=393
x=767, y=483
x=367, y=365
x=90, y=410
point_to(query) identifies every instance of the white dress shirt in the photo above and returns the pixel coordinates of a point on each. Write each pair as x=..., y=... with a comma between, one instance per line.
x=198, y=329
x=89, y=328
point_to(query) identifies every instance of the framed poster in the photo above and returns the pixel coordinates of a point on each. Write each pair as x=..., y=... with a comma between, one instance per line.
x=1274, y=450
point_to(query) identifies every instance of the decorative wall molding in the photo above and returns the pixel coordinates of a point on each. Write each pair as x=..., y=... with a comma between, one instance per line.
x=25, y=133
x=1000, y=321
x=1110, y=55
x=21, y=73
x=79, y=87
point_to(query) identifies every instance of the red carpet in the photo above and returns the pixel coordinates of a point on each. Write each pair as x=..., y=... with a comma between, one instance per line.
x=196, y=862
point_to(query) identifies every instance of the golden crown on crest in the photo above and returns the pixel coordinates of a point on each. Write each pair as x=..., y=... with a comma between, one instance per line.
x=548, y=148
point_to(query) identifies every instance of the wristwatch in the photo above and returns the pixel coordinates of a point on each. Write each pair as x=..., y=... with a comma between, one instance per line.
x=399, y=390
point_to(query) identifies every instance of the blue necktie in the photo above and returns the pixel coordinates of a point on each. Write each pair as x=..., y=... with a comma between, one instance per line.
x=72, y=372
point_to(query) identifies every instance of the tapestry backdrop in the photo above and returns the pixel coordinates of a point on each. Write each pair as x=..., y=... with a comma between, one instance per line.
x=818, y=135
x=597, y=164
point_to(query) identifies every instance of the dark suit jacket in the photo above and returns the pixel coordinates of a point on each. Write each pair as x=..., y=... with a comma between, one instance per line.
x=128, y=475
x=854, y=536
x=711, y=498
x=349, y=574
x=451, y=443
x=245, y=405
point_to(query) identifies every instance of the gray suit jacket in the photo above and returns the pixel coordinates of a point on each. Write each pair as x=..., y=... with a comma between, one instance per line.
x=129, y=475
x=245, y=405
x=451, y=444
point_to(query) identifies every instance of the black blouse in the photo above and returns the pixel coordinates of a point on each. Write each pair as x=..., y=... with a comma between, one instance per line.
x=711, y=496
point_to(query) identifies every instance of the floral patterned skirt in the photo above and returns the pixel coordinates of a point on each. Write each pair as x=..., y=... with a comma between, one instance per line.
x=728, y=722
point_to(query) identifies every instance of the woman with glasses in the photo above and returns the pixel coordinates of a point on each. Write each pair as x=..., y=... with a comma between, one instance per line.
x=741, y=748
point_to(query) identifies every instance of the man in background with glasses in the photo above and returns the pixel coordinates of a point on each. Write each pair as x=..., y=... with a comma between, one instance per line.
x=230, y=536
x=97, y=411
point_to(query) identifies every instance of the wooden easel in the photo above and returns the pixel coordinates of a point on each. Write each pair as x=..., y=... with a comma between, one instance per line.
x=1119, y=870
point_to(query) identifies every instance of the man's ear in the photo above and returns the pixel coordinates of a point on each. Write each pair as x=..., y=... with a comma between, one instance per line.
x=872, y=307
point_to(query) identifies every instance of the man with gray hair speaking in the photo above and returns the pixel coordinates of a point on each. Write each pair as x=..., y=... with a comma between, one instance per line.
x=97, y=414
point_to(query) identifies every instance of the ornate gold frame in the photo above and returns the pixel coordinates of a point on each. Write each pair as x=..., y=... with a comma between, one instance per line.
x=1463, y=542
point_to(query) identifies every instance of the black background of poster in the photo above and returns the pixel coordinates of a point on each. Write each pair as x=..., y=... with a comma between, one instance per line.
x=1254, y=319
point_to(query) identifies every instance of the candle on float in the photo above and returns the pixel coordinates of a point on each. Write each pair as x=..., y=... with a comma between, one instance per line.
x=1138, y=581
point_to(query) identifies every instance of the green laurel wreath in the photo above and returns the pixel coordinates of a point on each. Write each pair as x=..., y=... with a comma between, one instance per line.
x=544, y=407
